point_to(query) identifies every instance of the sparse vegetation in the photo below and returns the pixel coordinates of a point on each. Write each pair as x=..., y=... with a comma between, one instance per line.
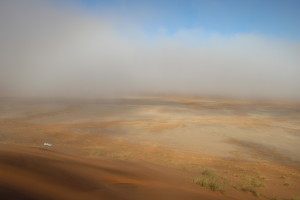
x=209, y=180
x=282, y=177
x=251, y=180
x=250, y=183
x=295, y=198
x=250, y=189
x=256, y=183
x=247, y=188
x=125, y=135
x=188, y=167
x=94, y=152
x=119, y=155
x=286, y=184
x=241, y=169
x=208, y=172
x=261, y=177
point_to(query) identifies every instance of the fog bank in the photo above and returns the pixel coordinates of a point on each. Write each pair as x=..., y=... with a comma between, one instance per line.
x=52, y=50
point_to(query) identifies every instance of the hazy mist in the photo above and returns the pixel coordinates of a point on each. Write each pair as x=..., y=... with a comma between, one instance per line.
x=53, y=50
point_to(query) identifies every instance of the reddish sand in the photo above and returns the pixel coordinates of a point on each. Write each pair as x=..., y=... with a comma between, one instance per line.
x=148, y=150
x=36, y=173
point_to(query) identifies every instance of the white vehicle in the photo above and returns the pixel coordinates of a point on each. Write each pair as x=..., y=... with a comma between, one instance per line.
x=47, y=144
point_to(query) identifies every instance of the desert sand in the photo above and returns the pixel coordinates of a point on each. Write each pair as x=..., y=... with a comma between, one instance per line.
x=153, y=147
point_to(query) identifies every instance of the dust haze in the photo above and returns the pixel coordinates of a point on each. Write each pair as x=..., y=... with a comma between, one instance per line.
x=94, y=104
x=61, y=50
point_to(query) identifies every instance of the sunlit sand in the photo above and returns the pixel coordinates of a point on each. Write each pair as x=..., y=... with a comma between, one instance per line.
x=149, y=148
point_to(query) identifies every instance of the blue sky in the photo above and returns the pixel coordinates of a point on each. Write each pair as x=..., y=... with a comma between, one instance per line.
x=278, y=18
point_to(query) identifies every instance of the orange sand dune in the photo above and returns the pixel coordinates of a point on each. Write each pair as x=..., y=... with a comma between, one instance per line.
x=149, y=149
x=36, y=173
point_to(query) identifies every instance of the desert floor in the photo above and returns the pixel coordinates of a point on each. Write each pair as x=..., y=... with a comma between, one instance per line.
x=153, y=147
